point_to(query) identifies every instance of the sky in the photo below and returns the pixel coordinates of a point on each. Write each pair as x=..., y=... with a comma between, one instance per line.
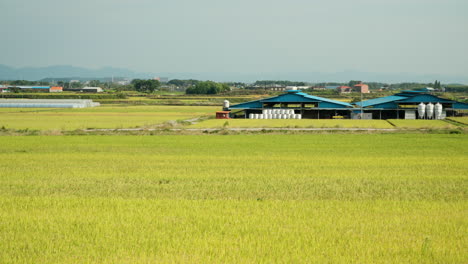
x=244, y=36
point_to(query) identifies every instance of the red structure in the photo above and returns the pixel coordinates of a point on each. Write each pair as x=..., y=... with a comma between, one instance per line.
x=360, y=87
x=222, y=115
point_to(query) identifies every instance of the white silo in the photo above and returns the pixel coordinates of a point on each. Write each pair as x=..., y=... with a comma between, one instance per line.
x=430, y=110
x=225, y=104
x=421, y=110
x=438, y=111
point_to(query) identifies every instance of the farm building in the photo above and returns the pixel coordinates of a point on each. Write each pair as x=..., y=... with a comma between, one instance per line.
x=292, y=104
x=409, y=105
x=85, y=90
x=50, y=89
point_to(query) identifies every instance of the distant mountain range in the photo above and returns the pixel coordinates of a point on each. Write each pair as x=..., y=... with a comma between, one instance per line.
x=79, y=73
x=65, y=71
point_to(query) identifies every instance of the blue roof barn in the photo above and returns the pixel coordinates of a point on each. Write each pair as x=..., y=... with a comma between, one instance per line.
x=301, y=103
x=405, y=104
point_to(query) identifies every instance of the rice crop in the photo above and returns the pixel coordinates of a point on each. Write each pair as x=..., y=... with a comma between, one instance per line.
x=338, y=198
x=428, y=124
x=97, y=117
x=463, y=119
x=292, y=123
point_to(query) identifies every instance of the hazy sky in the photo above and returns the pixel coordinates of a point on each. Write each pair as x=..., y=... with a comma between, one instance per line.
x=387, y=36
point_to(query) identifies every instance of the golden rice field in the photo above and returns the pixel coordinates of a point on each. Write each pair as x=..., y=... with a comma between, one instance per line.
x=321, y=198
x=96, y=117
x=415, y=124
x=463, y=120
x=292, y=123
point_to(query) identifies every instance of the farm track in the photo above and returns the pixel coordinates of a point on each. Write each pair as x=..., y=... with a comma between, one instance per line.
x=246, y=129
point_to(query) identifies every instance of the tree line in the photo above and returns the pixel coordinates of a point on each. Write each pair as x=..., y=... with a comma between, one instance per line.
x=208, y=87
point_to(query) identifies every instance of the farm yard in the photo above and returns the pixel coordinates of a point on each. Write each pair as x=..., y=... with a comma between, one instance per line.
x=320, y=198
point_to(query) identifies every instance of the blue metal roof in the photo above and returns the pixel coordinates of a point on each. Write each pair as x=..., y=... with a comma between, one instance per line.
x=381, y=100
x=389, y=102
x=293, y=96
x=32, y=87
x=460, y=105
x=426, y=98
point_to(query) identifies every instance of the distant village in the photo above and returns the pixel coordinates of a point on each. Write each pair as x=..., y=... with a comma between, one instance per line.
x=164, y=83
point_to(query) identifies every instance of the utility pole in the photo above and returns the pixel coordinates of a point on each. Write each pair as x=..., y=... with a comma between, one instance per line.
x=362, y=111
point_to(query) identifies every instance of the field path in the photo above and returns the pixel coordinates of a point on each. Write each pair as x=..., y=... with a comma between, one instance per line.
x=248, y=129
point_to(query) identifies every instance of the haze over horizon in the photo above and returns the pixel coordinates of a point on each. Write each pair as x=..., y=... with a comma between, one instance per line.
x=420, y=37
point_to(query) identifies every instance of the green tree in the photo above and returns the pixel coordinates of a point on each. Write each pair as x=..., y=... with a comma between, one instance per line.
x=208, y=87
x=146, y=86
x=76, y=85
x=353, y=82
x=95, y=83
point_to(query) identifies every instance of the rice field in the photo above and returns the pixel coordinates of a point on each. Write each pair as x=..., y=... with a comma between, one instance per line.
x=463, y=120
x=333, y=198
x=292, y=123
x=420, y=124
x=96, y=117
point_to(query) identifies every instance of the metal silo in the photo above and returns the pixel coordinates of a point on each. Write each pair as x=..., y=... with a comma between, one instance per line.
x=421, y=110
x=438, y=111
x=430, y=110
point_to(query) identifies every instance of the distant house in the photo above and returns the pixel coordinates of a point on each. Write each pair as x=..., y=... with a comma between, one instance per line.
x=55, y=89
x=361, y=87
x=85, y=90
x=344, y=89
x=92, y=89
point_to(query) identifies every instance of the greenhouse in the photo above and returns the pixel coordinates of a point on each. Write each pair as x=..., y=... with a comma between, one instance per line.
x=47, y=103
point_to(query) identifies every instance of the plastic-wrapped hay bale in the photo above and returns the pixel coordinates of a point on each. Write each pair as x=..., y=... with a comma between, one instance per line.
x=251, y=116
